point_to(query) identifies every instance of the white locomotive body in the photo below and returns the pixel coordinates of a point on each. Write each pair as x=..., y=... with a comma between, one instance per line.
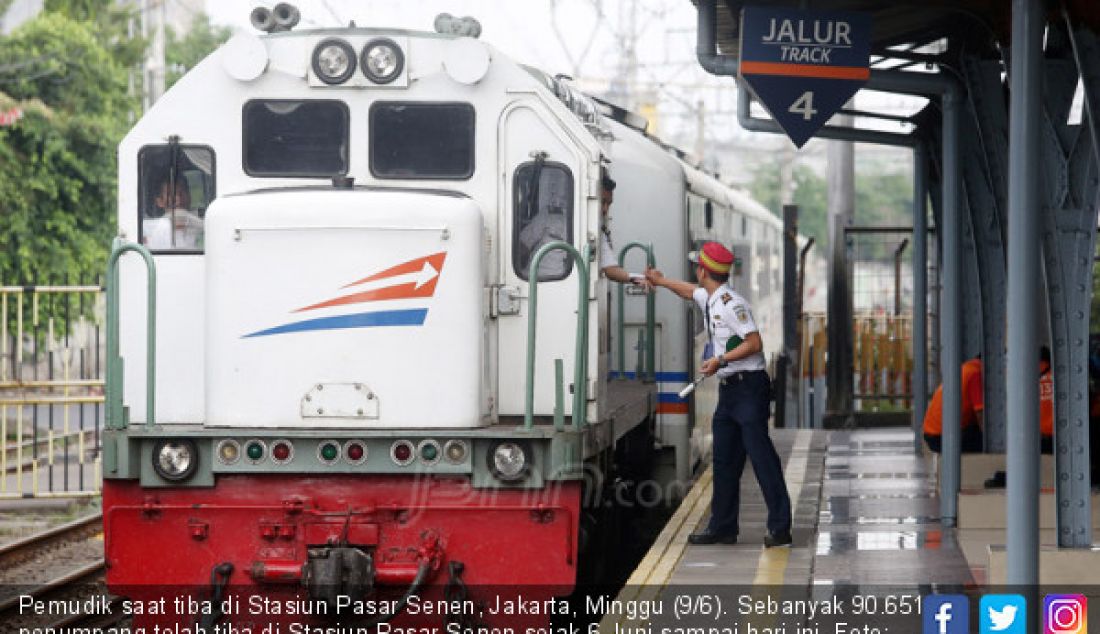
x=342, y=224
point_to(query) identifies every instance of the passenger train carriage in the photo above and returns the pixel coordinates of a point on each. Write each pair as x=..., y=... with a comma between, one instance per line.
x=334, y=398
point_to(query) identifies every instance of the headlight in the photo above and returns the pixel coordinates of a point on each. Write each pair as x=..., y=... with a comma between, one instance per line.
x=509, y=461
x=333, y=61
x=382, y=60
x=175, y=459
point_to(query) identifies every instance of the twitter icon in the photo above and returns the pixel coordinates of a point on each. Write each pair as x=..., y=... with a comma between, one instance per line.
x=1003, y=614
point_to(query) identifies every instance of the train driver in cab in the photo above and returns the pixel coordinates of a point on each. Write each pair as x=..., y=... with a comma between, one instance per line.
x=609, y=261
x=170, y=224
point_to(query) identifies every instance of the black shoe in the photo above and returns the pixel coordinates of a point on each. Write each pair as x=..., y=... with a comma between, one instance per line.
x=998, y=481
x=704, y=538
x=772, y=540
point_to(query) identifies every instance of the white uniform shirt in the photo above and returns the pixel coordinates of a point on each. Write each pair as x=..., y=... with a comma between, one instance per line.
x=176, y=229
x=607, y=254
x=729, y=315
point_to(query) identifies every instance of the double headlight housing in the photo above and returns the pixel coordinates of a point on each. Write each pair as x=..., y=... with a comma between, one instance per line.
x=381, y=59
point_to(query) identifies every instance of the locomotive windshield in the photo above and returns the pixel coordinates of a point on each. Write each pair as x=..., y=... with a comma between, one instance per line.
x=176, y=185
x=422, y=140
x=306, y=139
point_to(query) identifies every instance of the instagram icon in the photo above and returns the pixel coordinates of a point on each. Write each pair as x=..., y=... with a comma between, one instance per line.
x=1065, y=614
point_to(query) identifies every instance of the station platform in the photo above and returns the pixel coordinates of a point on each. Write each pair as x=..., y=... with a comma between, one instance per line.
x=865, y=513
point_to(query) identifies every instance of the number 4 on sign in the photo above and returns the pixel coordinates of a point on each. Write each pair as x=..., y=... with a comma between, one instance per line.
x=804, y=106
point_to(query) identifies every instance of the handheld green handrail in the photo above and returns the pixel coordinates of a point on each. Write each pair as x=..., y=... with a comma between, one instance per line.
x=650, y=315
x=580, y=361
x=114, y=359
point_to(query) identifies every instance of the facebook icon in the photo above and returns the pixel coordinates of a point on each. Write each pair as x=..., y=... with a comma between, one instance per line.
x=945, y=614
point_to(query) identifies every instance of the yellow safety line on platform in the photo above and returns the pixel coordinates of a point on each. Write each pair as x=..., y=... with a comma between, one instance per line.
x=772, y=565
x=652, y=573
x=656, y=568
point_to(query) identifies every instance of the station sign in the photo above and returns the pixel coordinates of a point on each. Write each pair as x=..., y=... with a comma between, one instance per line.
x=804, y=65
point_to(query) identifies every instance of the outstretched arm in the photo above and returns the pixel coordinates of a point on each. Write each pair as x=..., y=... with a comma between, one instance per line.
x=680, y=287
x=622, y=276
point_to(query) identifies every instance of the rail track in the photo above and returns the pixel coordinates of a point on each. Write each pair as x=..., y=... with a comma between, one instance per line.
x=33, y=546
x=64, y=562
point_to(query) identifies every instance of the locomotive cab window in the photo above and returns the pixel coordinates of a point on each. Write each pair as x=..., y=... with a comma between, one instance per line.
x=542, y=212
x=422, y=140
x=176, y=184
x=286, y=138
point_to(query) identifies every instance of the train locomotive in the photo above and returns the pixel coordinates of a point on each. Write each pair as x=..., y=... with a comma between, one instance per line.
x=326, y=380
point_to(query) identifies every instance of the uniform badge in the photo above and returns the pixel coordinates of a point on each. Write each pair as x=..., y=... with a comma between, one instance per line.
x=742, y=313
x=726, y=298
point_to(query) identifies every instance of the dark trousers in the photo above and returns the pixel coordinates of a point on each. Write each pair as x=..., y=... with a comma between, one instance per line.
x=740, y=428
x=971, y=441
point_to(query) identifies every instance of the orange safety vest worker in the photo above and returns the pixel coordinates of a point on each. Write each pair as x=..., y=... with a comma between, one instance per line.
x=1046, y=400
x=972, y=400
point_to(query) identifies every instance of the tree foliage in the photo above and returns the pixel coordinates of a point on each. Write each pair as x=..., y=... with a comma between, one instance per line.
x=57, y=163
x=181, y=54
x=882, y=198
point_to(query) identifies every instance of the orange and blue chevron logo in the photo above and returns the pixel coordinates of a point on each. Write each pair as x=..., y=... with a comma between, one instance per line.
x=414, y=279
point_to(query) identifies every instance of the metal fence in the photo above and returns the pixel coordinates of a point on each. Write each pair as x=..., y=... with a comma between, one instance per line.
x=882, y=347
x=51, y=390
x=882, y=275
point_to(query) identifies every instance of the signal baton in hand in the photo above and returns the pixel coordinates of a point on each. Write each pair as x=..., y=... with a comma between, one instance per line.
x=690, y=387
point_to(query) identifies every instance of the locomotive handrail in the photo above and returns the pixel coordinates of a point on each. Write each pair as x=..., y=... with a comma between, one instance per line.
x=650, y=315
x=580, y=362
x=114, y=359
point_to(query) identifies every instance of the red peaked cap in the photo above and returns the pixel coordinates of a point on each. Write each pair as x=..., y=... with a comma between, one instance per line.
x=713, y=257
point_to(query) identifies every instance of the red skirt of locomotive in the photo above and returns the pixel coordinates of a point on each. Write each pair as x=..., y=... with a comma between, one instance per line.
x=171, y=541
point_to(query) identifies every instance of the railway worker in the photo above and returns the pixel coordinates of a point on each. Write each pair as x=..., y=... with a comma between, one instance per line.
x=1046, y=416
x=973, y=404
x=1046, y=402
x=170, y=224
x=740, y=422
x=609, y=261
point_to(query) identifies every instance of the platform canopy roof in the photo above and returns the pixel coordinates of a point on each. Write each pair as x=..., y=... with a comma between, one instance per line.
x=981, y=23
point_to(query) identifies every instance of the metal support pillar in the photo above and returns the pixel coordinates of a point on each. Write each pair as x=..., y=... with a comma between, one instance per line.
x=920, y=291
x=897, y=275
x=1022, y=494
x=791, y=315
x=1069, y=160
x=985, y=160
x=951, y=321
x=841, y=193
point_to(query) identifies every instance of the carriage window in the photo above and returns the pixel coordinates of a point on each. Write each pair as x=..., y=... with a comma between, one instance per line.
x=175, y=185
x=422, y=140
x=542, y=207
x=307, y=139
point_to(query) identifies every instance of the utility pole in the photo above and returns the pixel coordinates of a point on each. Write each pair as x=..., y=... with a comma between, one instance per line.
x=841, y=193
x=153, y=18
